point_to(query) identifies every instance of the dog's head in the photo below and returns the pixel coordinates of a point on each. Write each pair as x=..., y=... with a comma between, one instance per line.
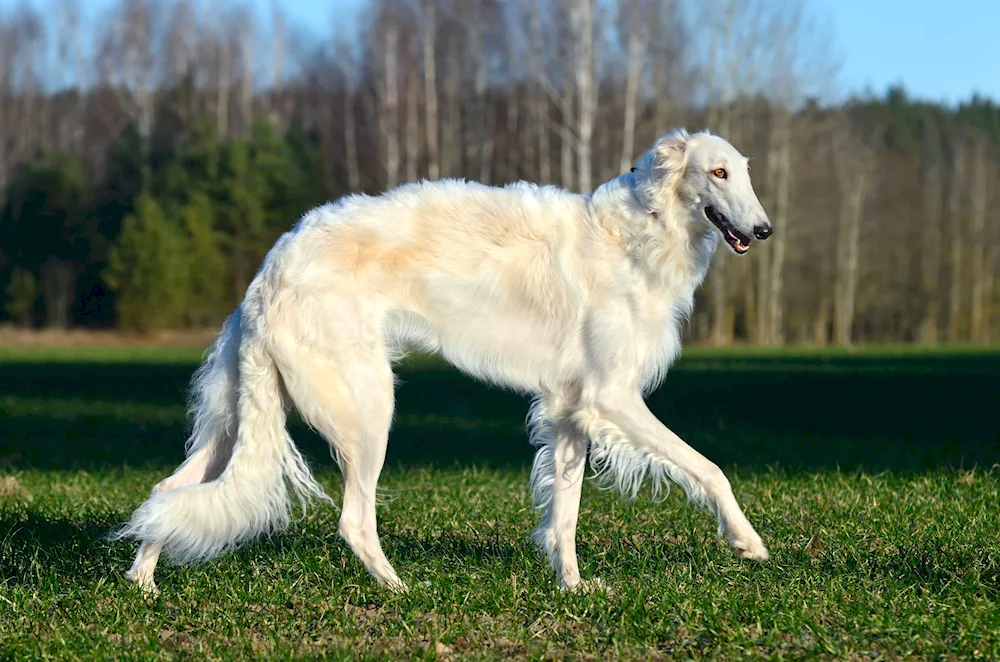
x=706, y=179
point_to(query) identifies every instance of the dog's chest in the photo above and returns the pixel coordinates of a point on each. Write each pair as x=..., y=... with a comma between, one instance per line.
x=662, y=308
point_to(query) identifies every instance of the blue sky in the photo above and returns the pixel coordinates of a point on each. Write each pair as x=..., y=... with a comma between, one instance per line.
x=939, y=51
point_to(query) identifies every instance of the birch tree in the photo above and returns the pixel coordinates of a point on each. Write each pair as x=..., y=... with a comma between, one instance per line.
x=779, y=174
x=127, y=63
x=346, y=58
x=428, y=28
x=539, y=101
x=28, y=37
x=722, y=72
x=477, y=16
x=180, y=57
x=513, y=39
x=8, y=56
x=992, y=260
x=666, y=61
x=389, y=99
x=633, y=17
x=279, y=44
x=930, y=251
x=854, y=167
x=956, y=223
x=412, y=113
x=245, y=41
x=582, y=18
x=790, y=62
x=978, y=194
x=69, y=120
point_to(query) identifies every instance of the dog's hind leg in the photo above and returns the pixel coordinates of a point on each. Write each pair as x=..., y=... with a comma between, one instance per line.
x=191, y=472
x=348, y=398
x=211, y=443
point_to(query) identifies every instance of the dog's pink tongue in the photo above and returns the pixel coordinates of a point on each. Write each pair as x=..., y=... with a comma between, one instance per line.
x=740, y=246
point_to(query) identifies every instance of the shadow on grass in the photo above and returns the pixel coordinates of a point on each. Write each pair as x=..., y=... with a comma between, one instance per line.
x=795, y=413
x=39, y=550
x=42, y=547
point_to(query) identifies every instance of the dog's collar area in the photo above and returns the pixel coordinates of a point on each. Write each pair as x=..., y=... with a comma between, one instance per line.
x=653, y=213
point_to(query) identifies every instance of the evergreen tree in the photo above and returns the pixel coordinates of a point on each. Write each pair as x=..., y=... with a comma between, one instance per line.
x=149, y=269
x=208, y=270
x=22, y=292
x=47, y=229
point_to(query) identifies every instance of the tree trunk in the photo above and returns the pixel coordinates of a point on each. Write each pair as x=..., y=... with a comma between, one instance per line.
x=821, y=324
x=389, y=111
x=69, y=123
x=351, y=142
x=412, y=125
x=978, y=243
x=955, y=225
x=566, y=160
x=539, y=104
x=222, y=91
x=452, y=129
x=662, y=19
x=486, y=156
x=246, y=77
x=482, y=144
x=583, y=19
x=773, y=316
x=515, y=146
x=636, y=61
x=852, y=211
x=930, y=253
x=720, y=115
x=661, y=106
x=430, y=89
x=58, y=283
x=277, y=58
x=989, y=283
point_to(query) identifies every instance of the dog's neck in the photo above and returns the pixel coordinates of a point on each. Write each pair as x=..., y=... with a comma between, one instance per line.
x=652, y=238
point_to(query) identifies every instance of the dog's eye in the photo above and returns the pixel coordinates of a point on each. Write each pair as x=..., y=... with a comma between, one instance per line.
x=720, y=173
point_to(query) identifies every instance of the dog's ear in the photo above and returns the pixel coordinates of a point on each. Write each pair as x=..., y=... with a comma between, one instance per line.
x=657, y=168
x=670, y=151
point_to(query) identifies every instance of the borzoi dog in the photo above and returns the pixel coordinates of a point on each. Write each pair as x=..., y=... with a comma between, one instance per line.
x=575, y=299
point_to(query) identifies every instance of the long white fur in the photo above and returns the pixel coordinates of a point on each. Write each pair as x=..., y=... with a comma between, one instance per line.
x=262, y=462
x=577, y=299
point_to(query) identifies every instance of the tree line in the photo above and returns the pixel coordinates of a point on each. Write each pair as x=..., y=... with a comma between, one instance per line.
x=147, y=163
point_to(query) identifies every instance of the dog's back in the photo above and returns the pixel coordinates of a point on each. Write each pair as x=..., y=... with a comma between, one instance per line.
x=469, y=270
x=446, y=226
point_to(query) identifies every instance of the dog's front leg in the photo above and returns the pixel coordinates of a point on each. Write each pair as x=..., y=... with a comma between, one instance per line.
x=559, y=471
x=703, y=480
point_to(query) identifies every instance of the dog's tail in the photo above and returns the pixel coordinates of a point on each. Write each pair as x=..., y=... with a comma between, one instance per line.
x=239, y=417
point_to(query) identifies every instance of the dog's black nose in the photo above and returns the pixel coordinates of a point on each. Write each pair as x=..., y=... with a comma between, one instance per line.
x=763, y=231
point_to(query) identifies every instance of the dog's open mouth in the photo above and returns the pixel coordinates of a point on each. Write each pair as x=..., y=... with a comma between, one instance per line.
x=739, y=242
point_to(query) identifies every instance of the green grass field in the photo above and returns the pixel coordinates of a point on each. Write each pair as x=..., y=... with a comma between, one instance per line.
x=872, y=477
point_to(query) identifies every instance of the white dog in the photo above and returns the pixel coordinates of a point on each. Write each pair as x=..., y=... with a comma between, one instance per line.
x=576, y=299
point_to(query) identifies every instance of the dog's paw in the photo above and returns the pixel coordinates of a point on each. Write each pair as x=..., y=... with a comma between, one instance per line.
x=751, y=548
x=144, y=584
x=396, y=585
